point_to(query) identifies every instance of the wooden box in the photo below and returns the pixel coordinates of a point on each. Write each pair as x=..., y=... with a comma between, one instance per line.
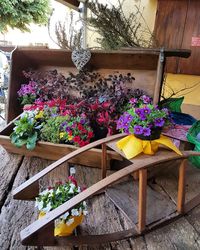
x=146, y=65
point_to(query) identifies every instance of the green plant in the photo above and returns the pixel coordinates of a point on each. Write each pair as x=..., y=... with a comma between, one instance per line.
x=53, y=197
x=51, y=129
x=26, y=130
x=20, y=13
x=118, y=30
x=143, y=118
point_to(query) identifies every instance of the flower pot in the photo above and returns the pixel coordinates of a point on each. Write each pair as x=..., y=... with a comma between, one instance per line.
x=155, y=134
x=99, y=132
x=61, y=228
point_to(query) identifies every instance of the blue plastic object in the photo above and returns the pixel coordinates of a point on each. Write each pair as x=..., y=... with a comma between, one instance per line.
x=182, y=118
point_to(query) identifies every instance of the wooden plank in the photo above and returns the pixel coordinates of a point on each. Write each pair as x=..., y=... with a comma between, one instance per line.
x=142, y=200
x=177, y=235
x=16, y=215
x=192, y=29
x=125, y=197
x=170, y=19
x=8, y=169
x=169, y=181
x=181, y=187
x=51, y=151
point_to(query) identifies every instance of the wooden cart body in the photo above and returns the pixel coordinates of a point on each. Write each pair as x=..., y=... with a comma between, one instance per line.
x=146, y=65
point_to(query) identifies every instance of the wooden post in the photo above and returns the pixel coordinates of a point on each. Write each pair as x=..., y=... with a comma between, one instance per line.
x=159, y=77
x=181, y=187
x=103, y=161
x=142, y=200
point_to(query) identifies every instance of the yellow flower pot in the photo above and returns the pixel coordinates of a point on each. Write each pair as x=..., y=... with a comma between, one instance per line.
x=62, y=229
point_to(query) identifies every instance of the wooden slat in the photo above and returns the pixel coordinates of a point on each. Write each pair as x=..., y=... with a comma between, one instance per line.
x=170, y=19
x=53, y=151
x=103, y=161
x=142, y=200
x=181, y=187
x=159, y=78
x=125, y=197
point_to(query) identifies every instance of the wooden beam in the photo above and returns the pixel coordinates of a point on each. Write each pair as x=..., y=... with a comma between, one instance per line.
x=181, y=187
x=103, y=161
x=70, y=3
x=142, y=200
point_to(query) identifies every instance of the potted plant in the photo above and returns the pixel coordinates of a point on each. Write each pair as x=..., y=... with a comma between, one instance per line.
x=143, y=119
x=53, y=197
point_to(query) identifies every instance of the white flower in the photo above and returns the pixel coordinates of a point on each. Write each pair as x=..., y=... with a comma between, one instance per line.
x=84, y=204
x=75, y=212
x=70, y=221
x=47, y=208
x=80, y=211
x=71, y=190
x=58, y=191
x=85, y=212
x=46, y=191
x=50, y=192
x=39, y=204
x=79, y=189
x=64, y=216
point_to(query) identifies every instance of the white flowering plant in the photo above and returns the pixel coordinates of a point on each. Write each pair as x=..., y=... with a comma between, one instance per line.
x=53, y=197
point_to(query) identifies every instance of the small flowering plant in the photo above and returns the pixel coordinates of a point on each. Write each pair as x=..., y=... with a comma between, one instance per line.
x=27, y=93
x=76, y=130
x=53, y=197
x=27, y=129
x=143, y=119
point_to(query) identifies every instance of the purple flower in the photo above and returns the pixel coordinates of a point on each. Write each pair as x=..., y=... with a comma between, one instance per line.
x=146, y=110
x=166, y=111
x=82, y=121
x=67, y=129
x=128, y=117
x=146, y=131
x=146, y=99
x=138, y=111
x=120, y=123
x=142, y=117
x=159, y=122
x=133, y=101
x=138, y=130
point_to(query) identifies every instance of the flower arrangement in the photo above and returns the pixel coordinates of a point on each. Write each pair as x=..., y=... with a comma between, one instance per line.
x=26, y=130
x=77, y=108
x=53, y=197
x=143, y=119
x=27, y=93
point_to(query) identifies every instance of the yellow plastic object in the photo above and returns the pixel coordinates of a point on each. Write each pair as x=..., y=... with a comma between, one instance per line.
x=62, y=229
x=132, y=146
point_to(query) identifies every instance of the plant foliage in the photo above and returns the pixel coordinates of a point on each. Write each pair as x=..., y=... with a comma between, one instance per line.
x=20, y=13
x=118, y=30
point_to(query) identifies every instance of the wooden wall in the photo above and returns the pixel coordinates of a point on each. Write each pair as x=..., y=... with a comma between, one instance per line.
x=178, y=26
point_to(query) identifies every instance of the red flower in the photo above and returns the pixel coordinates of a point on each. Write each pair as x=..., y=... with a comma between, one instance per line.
x=73, y=180
x=106, y=105
x=90, y=134
x=80, y=127
x=77, y=138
